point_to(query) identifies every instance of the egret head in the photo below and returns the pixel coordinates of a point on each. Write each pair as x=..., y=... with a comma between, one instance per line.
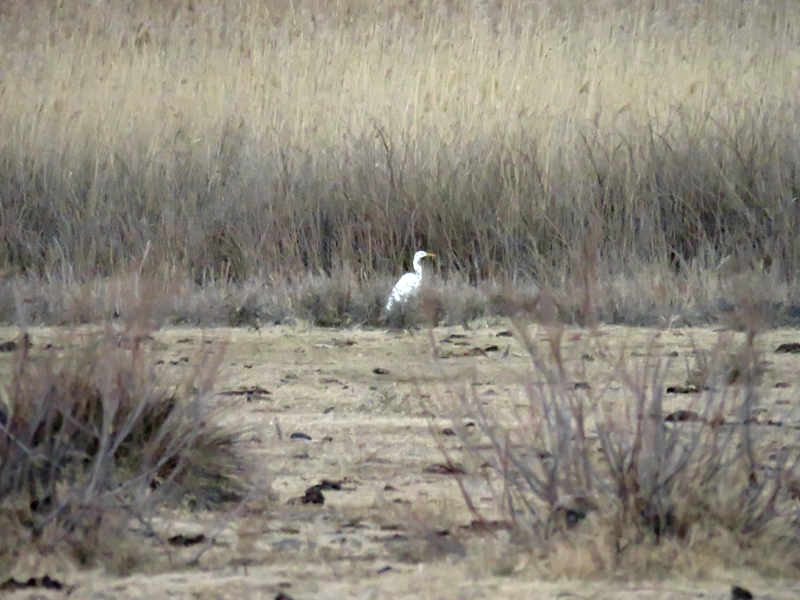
x=418, y=257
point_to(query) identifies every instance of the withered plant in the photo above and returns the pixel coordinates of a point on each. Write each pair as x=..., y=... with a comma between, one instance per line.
x=94, y=427
x=606, y=447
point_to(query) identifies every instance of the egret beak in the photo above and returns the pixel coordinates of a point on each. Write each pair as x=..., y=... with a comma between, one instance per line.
x=429, y=254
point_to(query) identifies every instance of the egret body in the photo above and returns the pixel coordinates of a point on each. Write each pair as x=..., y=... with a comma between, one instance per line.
x=408, y=285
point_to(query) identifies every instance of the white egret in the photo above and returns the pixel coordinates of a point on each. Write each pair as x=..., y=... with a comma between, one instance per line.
x=408, y=285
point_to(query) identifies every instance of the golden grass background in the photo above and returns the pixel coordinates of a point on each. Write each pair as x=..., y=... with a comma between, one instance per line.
x=266, y=139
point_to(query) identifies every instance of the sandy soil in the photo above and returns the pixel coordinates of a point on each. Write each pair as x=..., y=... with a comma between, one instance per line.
x=369, y=400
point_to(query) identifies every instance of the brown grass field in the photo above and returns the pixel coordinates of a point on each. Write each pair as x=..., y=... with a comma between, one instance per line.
x=204, y=204
x=266, y=140
x=373, y=434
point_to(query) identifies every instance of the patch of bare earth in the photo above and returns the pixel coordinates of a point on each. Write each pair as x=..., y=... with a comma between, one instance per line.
x=361, y=502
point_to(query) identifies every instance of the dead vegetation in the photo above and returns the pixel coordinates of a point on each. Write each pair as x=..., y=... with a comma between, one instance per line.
x=94, y=436
x=339, y=139
x=603, y=458
x=336, y=425
x=256, y=164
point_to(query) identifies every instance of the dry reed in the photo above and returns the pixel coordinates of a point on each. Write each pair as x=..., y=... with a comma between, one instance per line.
x=281, y=139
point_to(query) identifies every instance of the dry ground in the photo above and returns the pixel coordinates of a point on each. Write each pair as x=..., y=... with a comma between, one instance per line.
x=383, y=534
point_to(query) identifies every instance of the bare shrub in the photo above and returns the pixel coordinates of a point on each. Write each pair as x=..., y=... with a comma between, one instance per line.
x=607, y=447
x=325, y=301
x=96, y=432
x=464, y=303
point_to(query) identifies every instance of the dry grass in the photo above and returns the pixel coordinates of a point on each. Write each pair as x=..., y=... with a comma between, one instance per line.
x=284, y=138
x=95, y=436
x=651, y=298
x=599, y=473
x=369, y=431
x=205, y=162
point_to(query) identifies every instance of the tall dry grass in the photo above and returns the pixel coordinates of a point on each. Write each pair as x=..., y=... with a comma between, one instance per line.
x=276, y=139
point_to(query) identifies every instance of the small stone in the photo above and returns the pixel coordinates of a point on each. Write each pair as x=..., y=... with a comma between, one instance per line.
x=313, y=495
x=740, y=593
x=789, y=348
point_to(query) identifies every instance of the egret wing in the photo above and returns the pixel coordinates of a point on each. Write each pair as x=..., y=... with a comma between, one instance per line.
x=407, y=286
